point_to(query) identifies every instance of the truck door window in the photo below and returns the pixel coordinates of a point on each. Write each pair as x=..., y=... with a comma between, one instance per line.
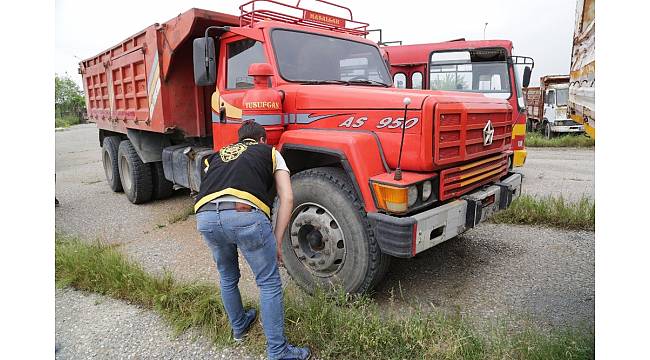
x=416, y=80
x=476, y=70
x=550, y=97
x=241, y=54
x=400, y=80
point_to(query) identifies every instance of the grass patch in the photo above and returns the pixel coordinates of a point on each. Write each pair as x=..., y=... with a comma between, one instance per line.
x=65, y=121
x=550, y=211
x=181, y=216
x=335, y=327
x=534, y=139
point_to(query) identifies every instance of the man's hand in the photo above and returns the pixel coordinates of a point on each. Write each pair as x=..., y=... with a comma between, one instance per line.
x=278, y=253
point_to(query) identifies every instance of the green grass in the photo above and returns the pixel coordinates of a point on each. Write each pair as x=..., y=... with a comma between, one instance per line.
x=65, y=121
x=182, y=215
x=335, y=327
x=534, y=139
x=550, y=211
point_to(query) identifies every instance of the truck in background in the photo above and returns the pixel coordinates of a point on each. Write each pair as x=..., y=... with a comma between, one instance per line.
x=582, y=89
x=547, y=107
x=479, y=66
x=377, y=172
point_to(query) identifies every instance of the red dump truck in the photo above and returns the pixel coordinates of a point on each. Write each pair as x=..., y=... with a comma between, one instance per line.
x=377, y=172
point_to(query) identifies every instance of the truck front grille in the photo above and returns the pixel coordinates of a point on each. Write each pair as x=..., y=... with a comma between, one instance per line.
x=458, y=136
x=459, y=180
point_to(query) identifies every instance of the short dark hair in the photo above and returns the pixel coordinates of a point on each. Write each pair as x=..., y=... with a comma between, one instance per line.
x=251, y=130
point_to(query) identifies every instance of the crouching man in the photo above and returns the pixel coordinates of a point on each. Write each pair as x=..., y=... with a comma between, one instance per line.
x=233, y=212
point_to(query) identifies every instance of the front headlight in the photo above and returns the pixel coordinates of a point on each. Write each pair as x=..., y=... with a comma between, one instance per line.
x=413, y=195
x=427, y=188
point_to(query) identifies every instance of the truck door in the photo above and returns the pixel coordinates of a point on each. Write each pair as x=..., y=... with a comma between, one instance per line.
x=549, y=106
x=238, y=54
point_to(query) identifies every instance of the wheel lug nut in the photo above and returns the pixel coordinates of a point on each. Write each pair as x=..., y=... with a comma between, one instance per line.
x=326, y=252
x=321, y=262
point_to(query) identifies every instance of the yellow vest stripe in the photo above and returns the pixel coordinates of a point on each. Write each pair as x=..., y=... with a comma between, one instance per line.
x=234, y=192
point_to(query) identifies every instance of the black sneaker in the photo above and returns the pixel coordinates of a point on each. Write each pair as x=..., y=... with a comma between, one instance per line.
x=250, y=315
x=296, y=353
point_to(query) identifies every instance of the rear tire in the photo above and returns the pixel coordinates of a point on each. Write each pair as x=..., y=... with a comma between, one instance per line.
x=135, y=175
x=109, y=160
x=329, y=242
x=162, y=188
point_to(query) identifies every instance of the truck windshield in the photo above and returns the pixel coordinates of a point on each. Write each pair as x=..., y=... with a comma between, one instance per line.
x=562, y=95
x=307, y=57
x=478, y=70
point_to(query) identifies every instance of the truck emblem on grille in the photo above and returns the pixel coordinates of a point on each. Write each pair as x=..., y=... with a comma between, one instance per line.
x=488, y=133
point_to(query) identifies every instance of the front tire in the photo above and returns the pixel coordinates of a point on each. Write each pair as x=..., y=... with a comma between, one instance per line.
x=329, y=242
x=109, y=160
x=135, y=175
x=548, y=133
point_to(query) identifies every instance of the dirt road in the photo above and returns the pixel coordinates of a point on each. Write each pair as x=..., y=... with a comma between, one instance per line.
x=537, y=275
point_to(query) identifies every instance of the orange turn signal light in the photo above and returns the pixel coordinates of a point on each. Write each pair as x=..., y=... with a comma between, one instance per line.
x=391, y=198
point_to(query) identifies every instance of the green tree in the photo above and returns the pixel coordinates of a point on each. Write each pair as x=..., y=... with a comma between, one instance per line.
x=68, y=98
x=449, y=82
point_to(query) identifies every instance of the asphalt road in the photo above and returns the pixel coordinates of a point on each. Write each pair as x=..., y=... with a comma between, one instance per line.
x=519, y=274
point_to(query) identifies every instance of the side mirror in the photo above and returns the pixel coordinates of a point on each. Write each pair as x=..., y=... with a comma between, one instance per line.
x=525, y=81
x=205, y=66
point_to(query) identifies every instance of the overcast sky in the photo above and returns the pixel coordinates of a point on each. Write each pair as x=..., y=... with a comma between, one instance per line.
x=540, y=29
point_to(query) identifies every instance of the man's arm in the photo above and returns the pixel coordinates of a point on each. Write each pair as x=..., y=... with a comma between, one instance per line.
x=285, y=195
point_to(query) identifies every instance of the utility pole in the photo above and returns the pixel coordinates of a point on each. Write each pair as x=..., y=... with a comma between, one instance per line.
x=484, y=30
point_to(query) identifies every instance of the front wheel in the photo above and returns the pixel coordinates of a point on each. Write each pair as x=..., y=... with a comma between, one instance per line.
x=547, y=131
x=329, y=242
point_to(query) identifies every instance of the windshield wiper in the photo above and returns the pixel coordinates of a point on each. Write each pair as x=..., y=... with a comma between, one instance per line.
x=321, y=82
x=368, y=82
x=344, y=82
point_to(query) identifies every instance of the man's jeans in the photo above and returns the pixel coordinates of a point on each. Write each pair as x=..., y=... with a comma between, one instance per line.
x=225, y=231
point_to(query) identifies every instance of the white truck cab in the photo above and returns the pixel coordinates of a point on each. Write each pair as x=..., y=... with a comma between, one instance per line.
x=556, y=119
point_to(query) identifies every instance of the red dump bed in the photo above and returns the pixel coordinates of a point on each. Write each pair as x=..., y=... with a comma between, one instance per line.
x=146, y=81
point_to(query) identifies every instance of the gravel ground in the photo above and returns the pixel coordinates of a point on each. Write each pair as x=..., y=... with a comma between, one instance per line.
x=90, y=326
x=559, y=171
x=530, y=274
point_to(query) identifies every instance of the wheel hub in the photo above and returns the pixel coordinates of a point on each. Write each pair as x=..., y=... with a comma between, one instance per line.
x=317, y=239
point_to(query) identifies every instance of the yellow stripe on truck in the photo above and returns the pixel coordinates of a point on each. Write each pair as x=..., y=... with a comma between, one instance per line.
x=518, y=130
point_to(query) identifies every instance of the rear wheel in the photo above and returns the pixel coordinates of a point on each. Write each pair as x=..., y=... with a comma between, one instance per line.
x=109, y=160
x=329, y=241
x=162, y=188
x=135, y=175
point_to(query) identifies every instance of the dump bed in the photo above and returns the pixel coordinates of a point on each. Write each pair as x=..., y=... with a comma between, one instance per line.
x=146, y=81
x=534, y=103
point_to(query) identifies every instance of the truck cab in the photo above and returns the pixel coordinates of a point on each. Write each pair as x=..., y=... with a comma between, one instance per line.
x=482, y=66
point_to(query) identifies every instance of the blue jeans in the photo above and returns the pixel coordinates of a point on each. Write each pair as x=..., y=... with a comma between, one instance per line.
x=225, y=231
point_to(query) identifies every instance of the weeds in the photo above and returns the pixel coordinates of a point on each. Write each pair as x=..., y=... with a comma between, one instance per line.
x=181, y=216
x=65, y=121
x=551, y=211
x=336, y=327
x=534, y=139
